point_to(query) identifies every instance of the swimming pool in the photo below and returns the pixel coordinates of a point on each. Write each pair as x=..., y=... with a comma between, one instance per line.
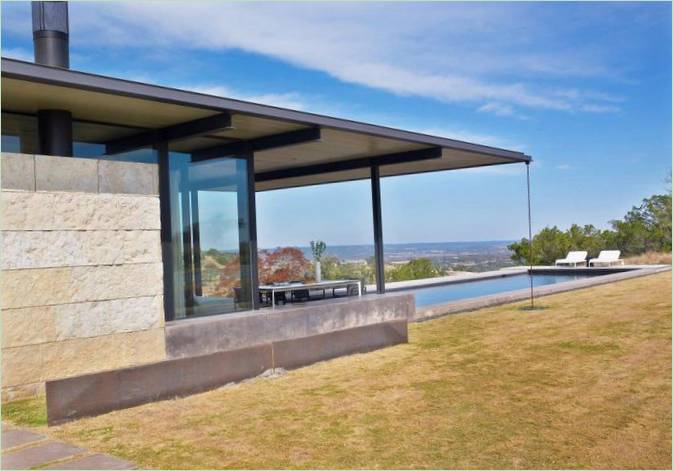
x=473, y=289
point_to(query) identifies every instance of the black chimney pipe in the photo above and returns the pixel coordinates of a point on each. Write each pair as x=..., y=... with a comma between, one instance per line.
x=51, y=47
x=50, y=33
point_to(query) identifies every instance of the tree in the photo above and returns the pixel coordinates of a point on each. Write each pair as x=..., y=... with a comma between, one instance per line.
x=318, y=248
x=282, y=264
x=415, y=269
x=335, y=269
x=644, y=228
x=549, y=244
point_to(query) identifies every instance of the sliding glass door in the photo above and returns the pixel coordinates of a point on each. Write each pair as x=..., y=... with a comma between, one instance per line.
x=211, y=235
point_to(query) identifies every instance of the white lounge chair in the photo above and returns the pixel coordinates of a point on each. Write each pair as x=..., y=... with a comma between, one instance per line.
x=607, y=257
x=573, y=258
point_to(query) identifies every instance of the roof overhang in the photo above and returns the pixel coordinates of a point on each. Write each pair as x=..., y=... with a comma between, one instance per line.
x=291, y=148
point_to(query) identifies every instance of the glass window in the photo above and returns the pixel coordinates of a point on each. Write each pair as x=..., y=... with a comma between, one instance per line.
x=90, y=138
x=19, y=133
x=210, y=236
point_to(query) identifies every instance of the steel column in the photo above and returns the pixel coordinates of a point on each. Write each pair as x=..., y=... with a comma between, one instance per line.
x=378, y=230
x=252, y=222
x=54, y=129
x=185, y=208
x=530, y=238
x=167, y=256
x=196, y=235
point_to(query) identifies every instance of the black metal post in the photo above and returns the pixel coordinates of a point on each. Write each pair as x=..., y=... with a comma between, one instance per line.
x=378, y=230
x=54, y=129
x=187, y=243
x=196, y=243
x=166, y=230
x=530, y=239
x=247, y=228
x=252, y=224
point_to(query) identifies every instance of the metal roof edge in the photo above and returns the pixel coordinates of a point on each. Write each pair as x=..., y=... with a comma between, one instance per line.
x=22, y=70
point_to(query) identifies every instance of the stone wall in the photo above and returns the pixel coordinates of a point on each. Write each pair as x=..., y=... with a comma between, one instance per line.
x=81, y=284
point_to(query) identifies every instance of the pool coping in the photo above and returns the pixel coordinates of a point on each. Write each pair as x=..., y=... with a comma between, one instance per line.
x=439, y=310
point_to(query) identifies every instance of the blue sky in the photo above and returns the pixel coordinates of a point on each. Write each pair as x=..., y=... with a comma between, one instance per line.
x=584, y=88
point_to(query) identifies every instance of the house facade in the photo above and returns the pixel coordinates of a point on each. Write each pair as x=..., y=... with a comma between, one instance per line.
x=114, y=192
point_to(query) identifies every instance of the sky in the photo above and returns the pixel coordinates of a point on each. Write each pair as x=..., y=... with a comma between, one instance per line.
x=584, y=88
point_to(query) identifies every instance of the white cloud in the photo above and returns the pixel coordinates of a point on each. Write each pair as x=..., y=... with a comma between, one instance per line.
x=452, y=52
x=500, y=109
x=594, y=108
x=563, y=167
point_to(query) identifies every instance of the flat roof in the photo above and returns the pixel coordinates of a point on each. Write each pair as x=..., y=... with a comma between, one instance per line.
x=338, y=152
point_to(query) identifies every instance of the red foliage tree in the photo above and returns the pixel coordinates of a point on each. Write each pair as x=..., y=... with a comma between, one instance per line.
x=282, y=264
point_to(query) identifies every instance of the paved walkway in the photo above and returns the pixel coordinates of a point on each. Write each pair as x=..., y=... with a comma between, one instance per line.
x=24, y=449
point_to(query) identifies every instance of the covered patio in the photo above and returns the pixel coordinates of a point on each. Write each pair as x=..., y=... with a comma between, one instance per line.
x=150, y=230
x=214, y=151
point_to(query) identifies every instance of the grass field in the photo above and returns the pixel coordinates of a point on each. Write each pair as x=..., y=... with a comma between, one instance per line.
x=584, y=383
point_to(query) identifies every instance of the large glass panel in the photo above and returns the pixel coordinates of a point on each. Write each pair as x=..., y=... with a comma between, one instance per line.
x=210, y=235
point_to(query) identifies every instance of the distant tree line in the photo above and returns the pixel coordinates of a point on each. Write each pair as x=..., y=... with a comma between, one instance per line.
x=645, y=228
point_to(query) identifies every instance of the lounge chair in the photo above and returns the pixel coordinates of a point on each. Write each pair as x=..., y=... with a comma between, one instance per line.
x=573, y=258
x=607, y=257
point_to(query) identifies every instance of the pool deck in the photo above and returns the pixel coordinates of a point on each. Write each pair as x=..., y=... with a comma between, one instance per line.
x=611, y=274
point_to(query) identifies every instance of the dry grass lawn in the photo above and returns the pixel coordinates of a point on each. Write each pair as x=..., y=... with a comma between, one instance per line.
x=585, y=383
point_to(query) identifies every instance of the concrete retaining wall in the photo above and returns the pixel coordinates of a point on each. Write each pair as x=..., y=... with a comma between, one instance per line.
x=205, y=335
x=81, y=284
x=98, y=393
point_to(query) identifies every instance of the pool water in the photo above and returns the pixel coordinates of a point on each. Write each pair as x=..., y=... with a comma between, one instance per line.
x=473, y=289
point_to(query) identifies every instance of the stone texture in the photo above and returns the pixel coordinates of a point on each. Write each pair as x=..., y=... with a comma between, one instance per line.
x=23, y=211
x=38, y=363
x=17, y=171
x=47, y=286
x=35, y=455
x=18, y=437
x=41, y=249
x=65, y=174
x=28, y=326
x=42, y=324
x=97, y=461
x=128, y=177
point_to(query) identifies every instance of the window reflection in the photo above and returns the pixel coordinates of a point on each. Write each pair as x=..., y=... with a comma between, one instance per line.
x=211, y=235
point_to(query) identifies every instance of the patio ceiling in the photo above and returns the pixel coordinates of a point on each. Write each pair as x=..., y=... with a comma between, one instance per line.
x=291, y=148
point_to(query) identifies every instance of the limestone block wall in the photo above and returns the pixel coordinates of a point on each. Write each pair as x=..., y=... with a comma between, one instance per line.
x=81, y=275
